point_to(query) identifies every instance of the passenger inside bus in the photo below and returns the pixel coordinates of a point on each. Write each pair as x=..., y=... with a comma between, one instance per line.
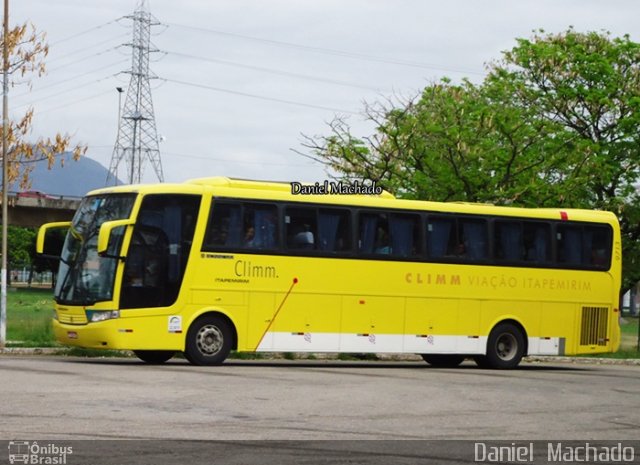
x=304, y=239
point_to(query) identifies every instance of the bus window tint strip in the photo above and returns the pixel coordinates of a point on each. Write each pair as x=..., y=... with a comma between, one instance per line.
x=253, y=226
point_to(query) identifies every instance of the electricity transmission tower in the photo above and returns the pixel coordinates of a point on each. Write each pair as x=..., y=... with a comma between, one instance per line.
x=137, y=139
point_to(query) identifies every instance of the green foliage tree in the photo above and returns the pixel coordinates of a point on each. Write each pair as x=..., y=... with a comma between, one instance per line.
x=20, y=243
x=589, y=83
x=556, y=122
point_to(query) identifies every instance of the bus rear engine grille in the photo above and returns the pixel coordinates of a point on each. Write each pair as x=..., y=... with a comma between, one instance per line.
x=593, y=331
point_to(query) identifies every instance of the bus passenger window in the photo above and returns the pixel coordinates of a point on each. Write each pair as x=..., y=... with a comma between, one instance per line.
x=225, y=226
x=404, y=232
x=260, y=226
x=300, y=224
x=596, y=242
x=381, y=245
x=374, y=234
x=537, y=242
x=441, y=237
x=474, y=238
x=508, y=241
x=334, y=231
x=569, y=243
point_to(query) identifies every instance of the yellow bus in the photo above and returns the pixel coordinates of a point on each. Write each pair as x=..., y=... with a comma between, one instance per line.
x=217, y=264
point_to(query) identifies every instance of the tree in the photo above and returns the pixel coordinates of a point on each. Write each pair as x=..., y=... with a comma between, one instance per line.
x=454, y=143
x=27, y=51
x=556, y=122
x=21, y=242
x=589, y=84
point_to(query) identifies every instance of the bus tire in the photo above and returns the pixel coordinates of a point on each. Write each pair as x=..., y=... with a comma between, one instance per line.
x=443, y=360
x=154, y=357
x=209, y=341
x=505, y=347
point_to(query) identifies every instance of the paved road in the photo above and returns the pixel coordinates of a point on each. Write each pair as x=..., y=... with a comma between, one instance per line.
x=71, y=398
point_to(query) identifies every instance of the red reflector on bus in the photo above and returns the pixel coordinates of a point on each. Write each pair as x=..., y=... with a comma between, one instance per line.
x=615, y=310
x=361, y=302
x=564, y=216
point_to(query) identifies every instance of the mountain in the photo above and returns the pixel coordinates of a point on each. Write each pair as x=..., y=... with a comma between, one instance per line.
x=73, y=179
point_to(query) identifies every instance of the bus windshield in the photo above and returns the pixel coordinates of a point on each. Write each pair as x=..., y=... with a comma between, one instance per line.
x=84, y=277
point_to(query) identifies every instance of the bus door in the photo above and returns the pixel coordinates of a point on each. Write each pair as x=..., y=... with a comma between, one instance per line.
x=159, y=250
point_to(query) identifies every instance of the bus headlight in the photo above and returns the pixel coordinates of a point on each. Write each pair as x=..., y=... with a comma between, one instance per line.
x=102, y=315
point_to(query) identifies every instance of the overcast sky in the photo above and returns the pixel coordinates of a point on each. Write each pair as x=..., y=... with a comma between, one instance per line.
x=323, y=57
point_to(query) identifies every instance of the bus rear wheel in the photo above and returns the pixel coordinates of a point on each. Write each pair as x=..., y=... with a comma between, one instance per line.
x=209, y=341
x=505, y=347
x=443, y=360
x=154, y=357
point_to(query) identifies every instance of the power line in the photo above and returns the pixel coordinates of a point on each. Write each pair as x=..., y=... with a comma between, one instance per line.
x=274, y=71
x=86, y=31
x=75, y=76
x=80, y=60
x=329, y=51
x=260, y=97
x=75, y=52
x=219, y=160
x=74, y=102
x=69, y=90
x=247, y=162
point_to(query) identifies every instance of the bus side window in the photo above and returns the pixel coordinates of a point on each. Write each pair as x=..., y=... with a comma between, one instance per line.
x=300, y=228
x=537, y=242
x=260, y=226
x=225, y=226
x=404, y=235
x=569, y=243
x=596, y=242
x=509, y=241
x=334, y=230
x=373, y=234
x=473, y=237
x=441, y=236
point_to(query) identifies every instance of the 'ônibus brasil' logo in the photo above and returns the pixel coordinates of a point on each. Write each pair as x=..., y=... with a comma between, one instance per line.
x=41, y=454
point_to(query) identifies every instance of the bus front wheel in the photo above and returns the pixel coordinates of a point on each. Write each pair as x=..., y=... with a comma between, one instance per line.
x=154, y=357
x=505, y=347
x=209, y=341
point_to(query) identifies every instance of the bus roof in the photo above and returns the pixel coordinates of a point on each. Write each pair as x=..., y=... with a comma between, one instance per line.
x=221, y=186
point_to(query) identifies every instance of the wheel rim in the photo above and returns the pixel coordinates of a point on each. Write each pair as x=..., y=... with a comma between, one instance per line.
x=506, y=346
x=209, y=340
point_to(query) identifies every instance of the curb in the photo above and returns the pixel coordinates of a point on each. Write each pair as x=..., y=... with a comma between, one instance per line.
x=381, y=357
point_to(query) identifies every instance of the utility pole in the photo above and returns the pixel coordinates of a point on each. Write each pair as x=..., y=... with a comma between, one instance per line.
x=137, y=139
x=5, y=182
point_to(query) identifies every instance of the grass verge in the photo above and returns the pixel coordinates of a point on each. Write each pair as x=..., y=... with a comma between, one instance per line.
x=29, y=313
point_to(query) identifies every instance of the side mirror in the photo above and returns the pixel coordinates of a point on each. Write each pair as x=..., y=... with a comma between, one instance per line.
x=48, y=238
x=106, y=229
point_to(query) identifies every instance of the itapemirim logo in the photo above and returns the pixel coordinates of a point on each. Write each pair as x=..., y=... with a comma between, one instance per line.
x=30, y=452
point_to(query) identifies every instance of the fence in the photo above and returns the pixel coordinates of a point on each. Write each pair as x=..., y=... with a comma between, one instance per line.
x=20, y=276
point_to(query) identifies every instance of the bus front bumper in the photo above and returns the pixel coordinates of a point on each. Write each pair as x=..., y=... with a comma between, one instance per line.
x=120, y=334
x=100, y=335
